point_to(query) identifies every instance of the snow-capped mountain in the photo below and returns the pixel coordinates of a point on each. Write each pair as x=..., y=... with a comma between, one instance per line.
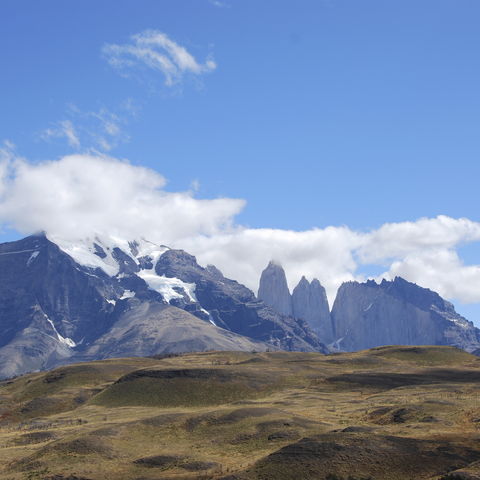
x=69, y=301
x=62, y=302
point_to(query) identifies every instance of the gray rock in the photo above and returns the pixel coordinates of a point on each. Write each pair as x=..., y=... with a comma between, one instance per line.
x=149, y=328
x=310, y=303
x=273, y=289
x=234, y=307
x=54, y=310
x=397, y=312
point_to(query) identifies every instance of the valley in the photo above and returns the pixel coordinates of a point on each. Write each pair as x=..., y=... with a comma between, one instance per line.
x=389, y=413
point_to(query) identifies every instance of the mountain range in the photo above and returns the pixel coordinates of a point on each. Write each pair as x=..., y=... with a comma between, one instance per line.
x=366, y=315
x=63, y=302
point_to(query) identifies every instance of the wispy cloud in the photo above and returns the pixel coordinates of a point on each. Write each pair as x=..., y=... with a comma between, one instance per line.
x=97, y=130
x=154, y=50
x=219, y=3
x=63, y=129
x=7, y=151
x=7, y=156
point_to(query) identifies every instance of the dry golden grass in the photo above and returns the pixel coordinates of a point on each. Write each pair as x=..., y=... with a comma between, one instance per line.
x=407, y=412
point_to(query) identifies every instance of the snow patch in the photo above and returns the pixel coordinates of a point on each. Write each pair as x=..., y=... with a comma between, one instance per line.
x=127, y=294
x=335, y=346
x=17, y=251
x=452, y=317
x=65, y=341
x=165, y=285
x=33, y=256
x=148, y=249
x=368, y=308
x=83, y=252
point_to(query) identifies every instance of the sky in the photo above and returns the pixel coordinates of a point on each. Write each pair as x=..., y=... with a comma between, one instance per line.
x=338, y=137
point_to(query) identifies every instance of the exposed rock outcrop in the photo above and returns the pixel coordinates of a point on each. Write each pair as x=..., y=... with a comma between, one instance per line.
x=397, y=312
x=273, y=289
x=307, y=302
x=310, y=303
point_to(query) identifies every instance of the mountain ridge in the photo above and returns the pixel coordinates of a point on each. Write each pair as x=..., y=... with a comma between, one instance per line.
x=77, y=301
x=57, y=301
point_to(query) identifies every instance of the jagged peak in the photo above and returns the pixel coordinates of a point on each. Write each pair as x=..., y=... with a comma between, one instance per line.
x=316, y=282
x=274, y=265
x=214, y=270
x=273, y=289
x=302, y=285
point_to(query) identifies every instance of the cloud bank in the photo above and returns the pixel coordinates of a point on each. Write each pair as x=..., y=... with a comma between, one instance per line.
x=154, y=50
x=81, y=196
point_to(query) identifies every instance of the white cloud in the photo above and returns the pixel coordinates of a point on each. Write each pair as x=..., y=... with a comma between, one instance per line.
x=82, y=195
x=100, y=130
x=63, y=129
x=394, y=240
x=156, y=51
x=7, y=151
x=442, y=271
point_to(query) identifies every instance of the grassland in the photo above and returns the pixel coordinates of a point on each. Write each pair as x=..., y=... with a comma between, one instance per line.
x=390, y=413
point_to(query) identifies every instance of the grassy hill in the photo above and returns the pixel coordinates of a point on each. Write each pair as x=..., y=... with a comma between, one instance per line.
x=389, y=413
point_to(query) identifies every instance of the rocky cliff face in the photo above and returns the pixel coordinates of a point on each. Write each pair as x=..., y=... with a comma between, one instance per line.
x=397, y=312
x=63, y=302
x=234, y=307
x=310, y=303
x=273, y=289
x=307, y=302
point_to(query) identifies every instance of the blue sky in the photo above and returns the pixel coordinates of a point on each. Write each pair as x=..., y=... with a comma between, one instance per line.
x=317, y=113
